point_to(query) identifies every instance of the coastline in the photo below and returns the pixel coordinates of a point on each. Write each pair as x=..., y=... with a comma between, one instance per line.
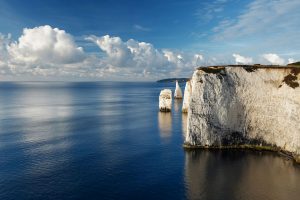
x=277, y=150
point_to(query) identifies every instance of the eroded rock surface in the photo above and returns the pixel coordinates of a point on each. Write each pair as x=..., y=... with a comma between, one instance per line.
x=245, y=106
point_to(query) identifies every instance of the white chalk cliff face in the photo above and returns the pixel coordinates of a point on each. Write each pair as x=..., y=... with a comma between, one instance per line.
x=186, y=97
x=245, y=106
x=165, y=100
x=178, y=92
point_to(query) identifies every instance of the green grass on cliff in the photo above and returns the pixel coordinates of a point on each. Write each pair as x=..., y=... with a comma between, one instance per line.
x=295, y=63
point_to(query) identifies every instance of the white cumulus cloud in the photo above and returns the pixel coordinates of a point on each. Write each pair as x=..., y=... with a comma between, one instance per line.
x=274, y=59
x=45, y=44
x=172, y=57
x=141, y=58
x=241, y=59
x=291, y=60
x=114, y=47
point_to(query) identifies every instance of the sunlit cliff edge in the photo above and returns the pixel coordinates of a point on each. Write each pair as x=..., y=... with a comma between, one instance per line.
x=245, y=106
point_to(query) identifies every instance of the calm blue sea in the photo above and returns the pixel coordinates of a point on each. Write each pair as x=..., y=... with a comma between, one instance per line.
x=107, y=140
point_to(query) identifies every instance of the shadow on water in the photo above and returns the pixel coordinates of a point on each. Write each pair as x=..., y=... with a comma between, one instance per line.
x=240, y=174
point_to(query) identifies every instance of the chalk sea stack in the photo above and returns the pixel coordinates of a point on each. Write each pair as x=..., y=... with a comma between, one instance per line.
x=245, y=106
x=186, y=96
x=165, y=100
x=178, y=92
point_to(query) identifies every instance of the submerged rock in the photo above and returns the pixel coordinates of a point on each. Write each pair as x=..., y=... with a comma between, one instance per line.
x=178, y=92
x=245, y=106
x=186, y=97
x=165, y=100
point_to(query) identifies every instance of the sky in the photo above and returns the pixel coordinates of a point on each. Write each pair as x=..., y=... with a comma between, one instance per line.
x=138, y=40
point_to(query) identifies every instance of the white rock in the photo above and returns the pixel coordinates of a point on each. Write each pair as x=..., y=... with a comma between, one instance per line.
x=165, y=100
x=178, y=92
x=186, y=97
x=233, y=106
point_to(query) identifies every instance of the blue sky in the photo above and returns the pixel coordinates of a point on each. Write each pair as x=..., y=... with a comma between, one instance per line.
x=142, y=40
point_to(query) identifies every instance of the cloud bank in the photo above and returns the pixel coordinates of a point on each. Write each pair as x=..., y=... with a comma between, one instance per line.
x=45, y=51
x=48, y=51
x=143, y=58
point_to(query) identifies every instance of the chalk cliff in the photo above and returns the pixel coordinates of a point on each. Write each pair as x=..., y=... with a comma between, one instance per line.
x=245, y=106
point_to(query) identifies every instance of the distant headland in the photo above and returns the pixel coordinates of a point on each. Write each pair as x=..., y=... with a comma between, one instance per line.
x=295, y=64
x=171, y=80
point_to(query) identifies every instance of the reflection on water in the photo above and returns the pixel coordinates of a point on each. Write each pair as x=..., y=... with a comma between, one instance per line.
x=167, y=120
x=165, y=124
x=177, y=105
x=237, y=174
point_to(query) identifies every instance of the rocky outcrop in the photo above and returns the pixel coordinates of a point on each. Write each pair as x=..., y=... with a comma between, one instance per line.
x=186, y=97
x=178, y=92
x=245, y=106
x=165, y=100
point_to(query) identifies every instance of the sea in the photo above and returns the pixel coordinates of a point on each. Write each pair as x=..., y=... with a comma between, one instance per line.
x=108, y=140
